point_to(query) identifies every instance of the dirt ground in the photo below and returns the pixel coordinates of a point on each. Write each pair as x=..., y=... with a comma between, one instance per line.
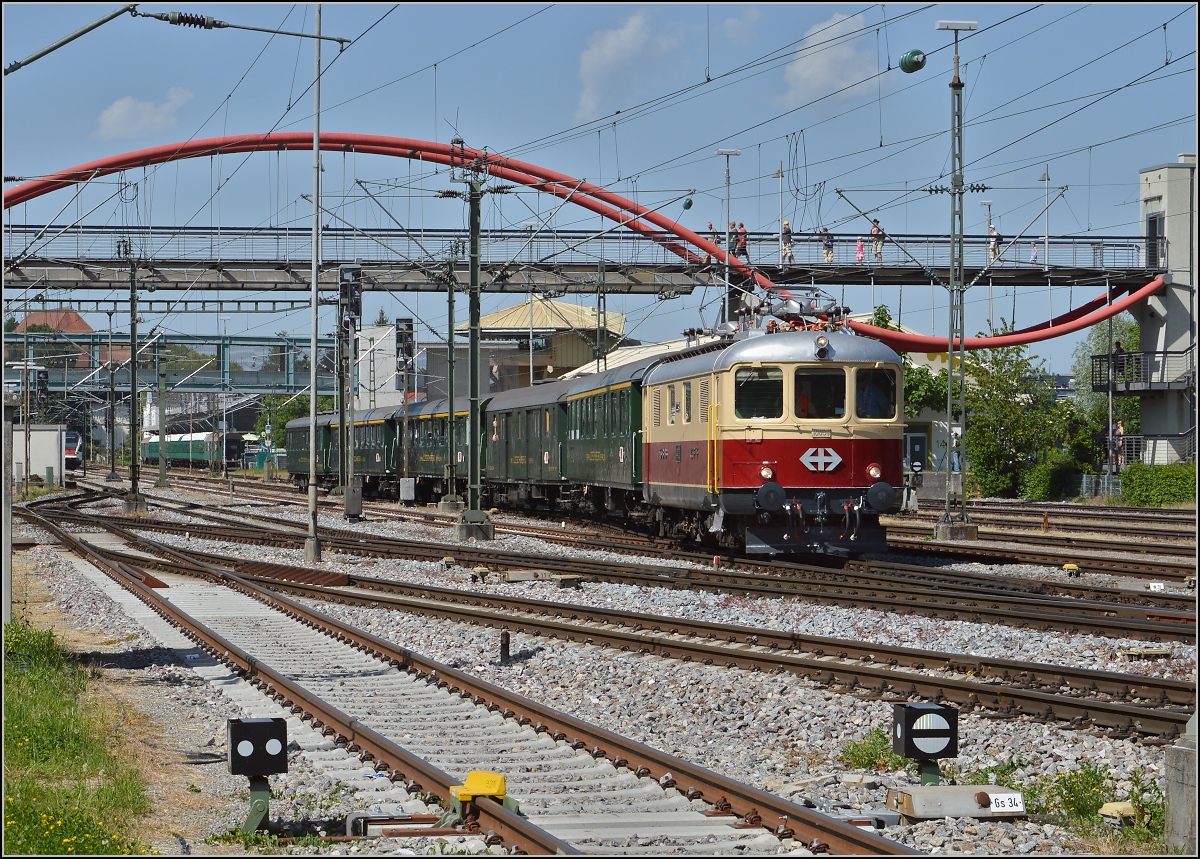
x=187, y=780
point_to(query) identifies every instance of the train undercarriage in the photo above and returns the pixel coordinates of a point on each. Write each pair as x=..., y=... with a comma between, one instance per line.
x=767, y=521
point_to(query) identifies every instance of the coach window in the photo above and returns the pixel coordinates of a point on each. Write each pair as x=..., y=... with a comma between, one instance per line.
x=758, y=392
x=820, y=394
x=875, y=394
x=687, y=402
x=672, y=404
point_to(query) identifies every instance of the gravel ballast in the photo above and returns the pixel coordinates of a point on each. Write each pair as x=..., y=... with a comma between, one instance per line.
x=779, y=732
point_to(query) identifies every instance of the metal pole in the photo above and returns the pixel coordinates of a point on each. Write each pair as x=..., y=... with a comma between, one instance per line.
x=343, y=360
x=779, y=176
x=349, y=333
x=727, y=310
x=405, y=407
x=1112, y=383
x=474, y=523
x=134, y=502
x=225, y=370
x=474, y=486
x=112, y=406
x=988, y=203
x=162, y=416
x=956, y=371
x=25, y=388
x=1046, y=234
x=451, y=493
x=312, y=545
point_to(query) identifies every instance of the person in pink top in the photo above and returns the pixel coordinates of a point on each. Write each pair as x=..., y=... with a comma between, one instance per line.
x=860, y=251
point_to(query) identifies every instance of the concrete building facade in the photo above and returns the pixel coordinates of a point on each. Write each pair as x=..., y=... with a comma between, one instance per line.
x=1163, y=373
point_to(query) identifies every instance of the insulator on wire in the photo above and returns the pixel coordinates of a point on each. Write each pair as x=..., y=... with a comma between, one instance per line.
x=185, y=19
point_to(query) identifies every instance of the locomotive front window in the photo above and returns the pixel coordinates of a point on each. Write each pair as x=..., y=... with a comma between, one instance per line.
x=875, y=394
x=758, y=392
x=820, y=394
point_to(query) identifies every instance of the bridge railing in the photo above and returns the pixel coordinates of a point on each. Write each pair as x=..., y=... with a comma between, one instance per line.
x=547, y=248
x=1144, y=369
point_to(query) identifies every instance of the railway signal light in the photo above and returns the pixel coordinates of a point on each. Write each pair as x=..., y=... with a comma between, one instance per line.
x=925, y=732
x=257, y=748
x=405, y=343
x=350, y=289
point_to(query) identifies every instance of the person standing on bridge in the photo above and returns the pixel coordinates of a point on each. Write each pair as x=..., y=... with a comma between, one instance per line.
x=713, y=237
x=859, y=251
x=742, y=242
x=827, y=244
x=994, y=246
x=877, y=240
x=785, y=240
x=1033, y=253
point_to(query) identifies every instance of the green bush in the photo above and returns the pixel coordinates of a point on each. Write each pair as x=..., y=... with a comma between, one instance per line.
x=1080, y=793
x=1159, y=485
x=872, y=752
x=1048, y=481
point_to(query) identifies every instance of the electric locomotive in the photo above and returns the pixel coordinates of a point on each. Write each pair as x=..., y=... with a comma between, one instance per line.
x=772, y=441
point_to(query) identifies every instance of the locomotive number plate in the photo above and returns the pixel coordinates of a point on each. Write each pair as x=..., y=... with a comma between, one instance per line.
x=822, y=433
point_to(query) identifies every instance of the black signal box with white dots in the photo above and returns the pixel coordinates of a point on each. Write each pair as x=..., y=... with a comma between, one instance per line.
x=924, y=731
x=257, y=747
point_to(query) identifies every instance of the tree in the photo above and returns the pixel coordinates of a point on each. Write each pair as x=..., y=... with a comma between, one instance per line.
x=1093, y=405
x=922, y=388
x=382, y=318
x=278, y=409
x=1011, y=420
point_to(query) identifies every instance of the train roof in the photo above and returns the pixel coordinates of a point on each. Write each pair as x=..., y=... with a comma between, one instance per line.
x=781, y=346
x=195, y=436
x=440, y=406
x=618, y=376
x=542, y=394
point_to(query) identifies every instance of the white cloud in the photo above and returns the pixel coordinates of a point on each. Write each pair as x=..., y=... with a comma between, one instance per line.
x=609, y=61
x=826, y=68
x=128, y=117
x=741, y=30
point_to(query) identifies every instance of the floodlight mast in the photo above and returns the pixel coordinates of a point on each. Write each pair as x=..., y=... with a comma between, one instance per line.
x=954, y=522
x=725, y=303
x=312, y=544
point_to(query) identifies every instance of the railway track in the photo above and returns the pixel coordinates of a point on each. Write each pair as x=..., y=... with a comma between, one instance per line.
x=425, y=725
x=1168, y=617
x=1172, y=560
x=1004, y=686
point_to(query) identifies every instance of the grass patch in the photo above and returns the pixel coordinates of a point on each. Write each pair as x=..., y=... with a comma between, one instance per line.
x=66, y=792
x=34, y=492
x=872, y=752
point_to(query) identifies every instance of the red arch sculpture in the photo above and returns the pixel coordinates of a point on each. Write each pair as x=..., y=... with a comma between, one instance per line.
x=592, y=197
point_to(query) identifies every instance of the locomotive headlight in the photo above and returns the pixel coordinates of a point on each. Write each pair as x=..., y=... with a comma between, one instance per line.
x=766, y=473
x=822, y=350
x=874, y=471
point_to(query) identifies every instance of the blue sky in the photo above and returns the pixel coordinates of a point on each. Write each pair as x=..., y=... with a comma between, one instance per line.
x=635, y=97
